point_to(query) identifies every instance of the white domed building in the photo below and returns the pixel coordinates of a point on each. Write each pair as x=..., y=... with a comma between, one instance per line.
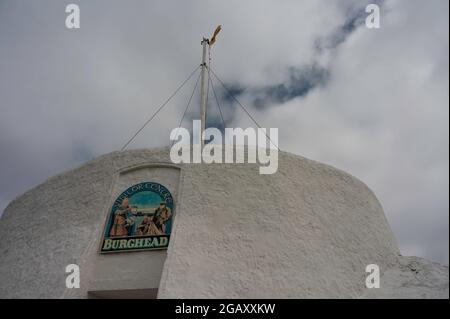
x=205, y=231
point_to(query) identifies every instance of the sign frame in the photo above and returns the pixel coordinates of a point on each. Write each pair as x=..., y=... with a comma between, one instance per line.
x=148, y=186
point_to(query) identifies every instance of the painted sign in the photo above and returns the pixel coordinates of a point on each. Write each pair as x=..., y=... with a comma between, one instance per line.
x=140, y=219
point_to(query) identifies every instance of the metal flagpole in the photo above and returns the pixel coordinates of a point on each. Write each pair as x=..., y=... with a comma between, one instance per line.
x=205, y=43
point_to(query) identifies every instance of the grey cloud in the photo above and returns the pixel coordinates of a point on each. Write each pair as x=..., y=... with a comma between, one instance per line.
x=300, y=82
x=355, y=18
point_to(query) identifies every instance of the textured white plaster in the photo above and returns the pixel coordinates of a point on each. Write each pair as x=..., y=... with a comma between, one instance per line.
x=307, y=231
x=412, y=278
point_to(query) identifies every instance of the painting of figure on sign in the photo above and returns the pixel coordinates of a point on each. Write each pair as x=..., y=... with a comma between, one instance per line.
x=140, y=218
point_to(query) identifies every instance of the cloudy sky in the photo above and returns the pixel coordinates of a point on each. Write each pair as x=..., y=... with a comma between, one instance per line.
x=373, y=102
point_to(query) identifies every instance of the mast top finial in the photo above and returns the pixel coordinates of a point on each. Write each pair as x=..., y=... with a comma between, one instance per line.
x=216, y=32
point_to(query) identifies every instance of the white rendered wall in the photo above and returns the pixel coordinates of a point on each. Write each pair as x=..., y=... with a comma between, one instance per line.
x=307, y=231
